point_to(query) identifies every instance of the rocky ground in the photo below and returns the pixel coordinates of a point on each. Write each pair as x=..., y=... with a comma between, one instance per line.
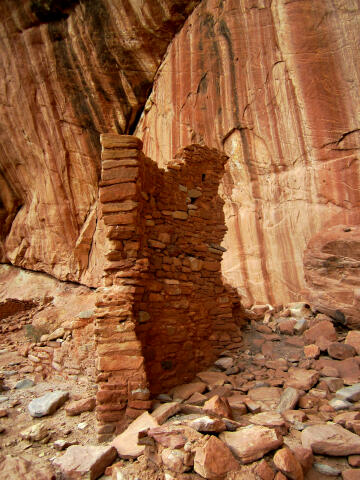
x=284, y=405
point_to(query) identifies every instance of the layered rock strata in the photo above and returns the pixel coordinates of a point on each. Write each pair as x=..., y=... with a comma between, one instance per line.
x=69, y=70
x=274, y=84
x=164, y=311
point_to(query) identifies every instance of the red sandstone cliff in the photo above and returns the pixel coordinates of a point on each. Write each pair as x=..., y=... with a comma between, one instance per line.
x=274, y=84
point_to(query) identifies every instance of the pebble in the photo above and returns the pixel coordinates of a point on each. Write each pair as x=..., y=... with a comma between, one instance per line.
x=326, y=469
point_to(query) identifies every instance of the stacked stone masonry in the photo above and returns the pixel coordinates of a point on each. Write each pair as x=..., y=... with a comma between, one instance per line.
x=163, y=312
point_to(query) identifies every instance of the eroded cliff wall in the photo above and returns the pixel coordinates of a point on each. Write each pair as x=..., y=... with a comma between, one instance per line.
x=69, y=70
x=275, y=84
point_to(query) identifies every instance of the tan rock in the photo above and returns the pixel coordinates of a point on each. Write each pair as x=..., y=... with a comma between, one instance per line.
x=311, y=351
x=330, y=439
x=264, y=471
x=351, y=474
x=177, y=460
x=288, y=400
x=251, y=443
x=126, y=443
x=304, y=456
x=287, y=463
x=213, y=379
x=214, y=459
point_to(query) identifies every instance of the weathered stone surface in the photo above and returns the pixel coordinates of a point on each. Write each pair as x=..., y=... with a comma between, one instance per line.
x=251, y=443
x=302, y=379
x=341, y=351
x=287, y=463
x=321, y=329
x=35, y=433
x=47, y=404
x=330, y=439
x=332, y=271
x=49, y=174
x=288, y=399
x=126, y=443
x=85, y=461
x=353, y=339
x=214, y=459
x=218, y=406
x=280, y=207
x=18, y=468
x=183, y=392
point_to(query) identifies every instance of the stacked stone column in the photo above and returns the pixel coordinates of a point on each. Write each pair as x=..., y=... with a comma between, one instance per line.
x=122, y=386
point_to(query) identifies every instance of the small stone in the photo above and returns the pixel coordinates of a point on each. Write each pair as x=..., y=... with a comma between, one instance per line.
x=269, y=419
x=176, y=461
x=343, y=418
x=330, y=372
x=287, y=463
x=333, y=383
x=183, y=392
x=288, y=400
x=82, y=425
x=354, y=460
x=252, y=442
x=213, y=379
x=218, y=406
x=264, y=471
x=58, y=333
x=87, y=462
x=26, y=383
x=304, y=456
x=79, y=406
x=62, y=444
x=300, y=326
x=311, y=351
x=47, y=404
x=224, y=363
x=338, y=404
x=293, y=416
x=351, y=394
x=341, y=351
x=207, y=424
x=353, y=339
x=326, y=469
x=321, y=329
x=214, y=459
x=165, y=411
x=3, y=412
x=35, y=433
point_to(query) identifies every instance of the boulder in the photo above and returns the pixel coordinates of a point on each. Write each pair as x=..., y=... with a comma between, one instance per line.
x=79, y=406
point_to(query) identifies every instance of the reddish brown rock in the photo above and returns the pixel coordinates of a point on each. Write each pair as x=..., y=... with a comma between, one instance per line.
x=163, y=412
x=212, y=379
x=218, y=406
x=321, y=329
x=354, y=460
x=304, y=456
x=183, y=392
x=126, y=443
x=353, y=339
x=311, y=351
x=351, y=474
x=264, y=471
x=287, y=463
x=302, y=379
x=341, y=351
x=251, y=443
x=214, y=459
x=80, y=406
x=85, y=462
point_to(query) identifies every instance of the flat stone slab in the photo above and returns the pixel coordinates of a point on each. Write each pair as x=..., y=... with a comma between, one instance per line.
x=288, y=400
x=25, y=383
x=126, y=443
x=350, y=394
x=87, y=462
x=47, y=404
x=330, y=439
x=251, y=443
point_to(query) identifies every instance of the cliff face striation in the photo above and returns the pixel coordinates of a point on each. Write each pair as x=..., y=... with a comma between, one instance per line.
x=69, y=70
x=274, y=84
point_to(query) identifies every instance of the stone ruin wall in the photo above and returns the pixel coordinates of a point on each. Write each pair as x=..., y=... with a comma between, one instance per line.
x=163, y=313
